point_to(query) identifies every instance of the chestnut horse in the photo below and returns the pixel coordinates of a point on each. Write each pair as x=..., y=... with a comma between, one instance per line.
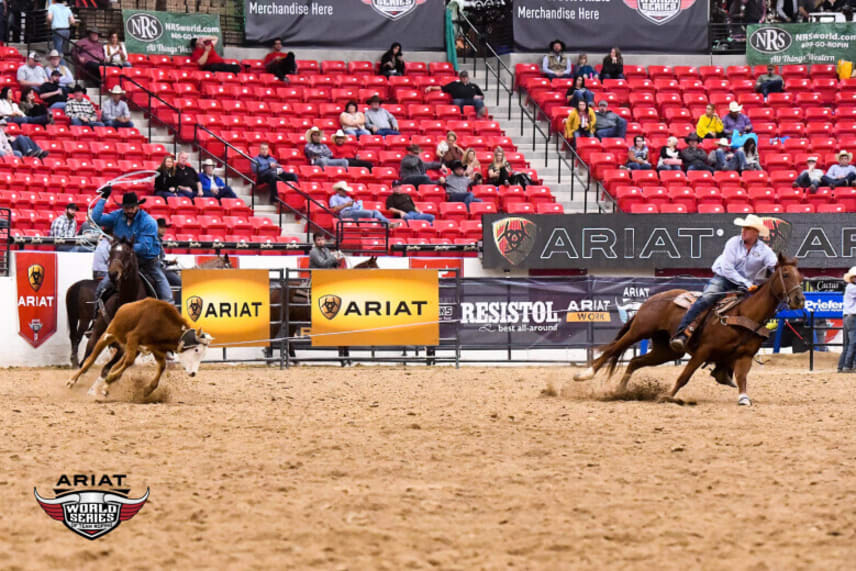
x=729, y=347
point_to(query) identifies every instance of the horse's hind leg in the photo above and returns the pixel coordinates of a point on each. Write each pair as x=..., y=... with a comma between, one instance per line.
x=659, y=353
x=614, y=350
x=694, y=363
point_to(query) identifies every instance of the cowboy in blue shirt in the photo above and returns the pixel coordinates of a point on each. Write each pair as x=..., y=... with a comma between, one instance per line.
x=742, y=265
x=133, y=223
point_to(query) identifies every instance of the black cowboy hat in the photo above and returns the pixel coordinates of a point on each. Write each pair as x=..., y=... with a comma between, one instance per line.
x=692, y=137
x=456, y=165
x=130, y=199
x=162, y=223
x=374, y=98
x=557, y=41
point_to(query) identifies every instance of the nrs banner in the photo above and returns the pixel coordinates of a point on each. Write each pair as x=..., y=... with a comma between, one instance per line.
x=148, y=32
x=37, y=299
x=677, y=26
x=785, y=44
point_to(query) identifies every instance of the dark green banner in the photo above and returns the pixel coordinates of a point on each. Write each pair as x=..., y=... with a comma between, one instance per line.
x=148, y=32
x=785, y=44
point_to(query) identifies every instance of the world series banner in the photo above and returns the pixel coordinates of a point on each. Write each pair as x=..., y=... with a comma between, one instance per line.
x=37, y=299
x=678, y=26
x=786, y=44
x=370, y=24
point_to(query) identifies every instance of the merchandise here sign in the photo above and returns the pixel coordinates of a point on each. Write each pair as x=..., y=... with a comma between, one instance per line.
x=148, y=32
x=634, y=25
x=231, y=305
x=375, y=307
x=785, y=44
x=371, y=24
x=37, y=299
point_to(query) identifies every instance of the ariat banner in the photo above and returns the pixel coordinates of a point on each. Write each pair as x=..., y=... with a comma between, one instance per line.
x=370, y=24
x=375, y=307
x=148, y=32
x=37, y=300
x=785, y=44
x=633, y=25
x=231, y=305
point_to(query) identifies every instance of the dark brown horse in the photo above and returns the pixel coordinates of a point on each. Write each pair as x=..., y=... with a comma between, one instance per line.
x=729, y=347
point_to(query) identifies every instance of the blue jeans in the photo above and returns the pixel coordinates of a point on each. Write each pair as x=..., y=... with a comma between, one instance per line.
x=356, y=132
x=769, y=87
x=736, y=163
x=413, y=215
x=477, y=103
x=357, y=213
x=418, y=179
x=40, y=120
x=611, y=76
x=118, y=124
x=58, y=105
x=700, y=168
x=167, y=194
x=153, y=270
x=619, y=130
x=60, y=39
x=715, y=290
x=639, y=166
x=804, y=181
x=82, y=123
x=218, y=193
x=836, y=182
x=669, y=168
x=329, y=162
x=385, y=132
x=848, y=351
x=25, y=145
x=465, y=197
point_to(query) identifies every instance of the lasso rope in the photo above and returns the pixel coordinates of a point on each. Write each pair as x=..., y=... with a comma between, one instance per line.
x=147, y=175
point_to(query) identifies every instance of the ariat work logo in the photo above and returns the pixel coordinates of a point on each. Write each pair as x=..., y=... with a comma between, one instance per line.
x=659, y=11
x=330, y=305
x=194, y=307
x=394, y=9
x=36, y=276
x=87, y=512
x=514, y=238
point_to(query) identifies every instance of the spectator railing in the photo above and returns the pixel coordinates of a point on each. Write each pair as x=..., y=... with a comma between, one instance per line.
x=345, y=236
x=150, y=112
x=494, y=67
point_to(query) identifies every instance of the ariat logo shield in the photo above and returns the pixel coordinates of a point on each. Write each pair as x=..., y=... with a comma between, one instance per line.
x=394, y=9
x=36, y=276
x=330, y=305
x=514, y=238
x=194, y=307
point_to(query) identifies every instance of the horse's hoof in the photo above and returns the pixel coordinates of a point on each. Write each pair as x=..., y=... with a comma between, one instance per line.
x=586, y=375
x=69, y=383
x=670, y=400
x=743, y=400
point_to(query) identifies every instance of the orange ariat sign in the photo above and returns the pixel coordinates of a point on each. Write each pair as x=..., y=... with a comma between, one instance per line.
x=231, y=305
x=37, y=299
x=375, y=307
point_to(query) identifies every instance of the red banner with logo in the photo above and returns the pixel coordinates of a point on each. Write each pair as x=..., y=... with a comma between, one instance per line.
x=37, y=295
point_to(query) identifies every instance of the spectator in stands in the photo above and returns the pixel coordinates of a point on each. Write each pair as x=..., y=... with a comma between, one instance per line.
x=80, y=110
x=10, y=111
x=268, y=171
x=745, y=12
x=165, y=184
x=694, y=158
x=670, y=156
x=724, y=158
x=794, y=10
x=392, y=61
x=500, y=172
x=463, y=93
x=89, y=55
x=613, y=65
x=401, y=205
x=31, y=74
x=318, y=153
x=458, y=186
x=206, y=57
x=212, y=185
x=353, y=121
x=114, y=111
x=378, y=120
x=414, y=171
x=842, y=174
x=637, y=155
x=18, y=145
x=472, y=166
x=448, y=150
x=65, y=226
x=769, y=82
x=55, y=64
x=186, y=177
x=280, y=63
x=61, y=20
x=31, y=108
x=752, y=161
x=322, y=257
x=811, y=177
x=341, y=149
x=346, y=207
x=583, y=69
x=609, y=123
x=709, y=125
x=578, y=92
x=581, y=122
x=556, y=63
x=735, y=121
x=51, y=92
x=115, y=53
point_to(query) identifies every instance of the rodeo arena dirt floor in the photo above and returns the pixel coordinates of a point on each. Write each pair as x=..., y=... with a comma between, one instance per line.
x=420, y=468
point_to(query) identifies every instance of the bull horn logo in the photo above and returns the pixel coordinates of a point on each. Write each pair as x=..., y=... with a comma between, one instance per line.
x=514, y=237
x=36, y=276
x=194, y=307
x=91, y=513
x=330, y=305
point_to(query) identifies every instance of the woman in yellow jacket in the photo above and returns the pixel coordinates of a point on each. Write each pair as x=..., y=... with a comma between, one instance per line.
x=709, y=125
x=580, y=121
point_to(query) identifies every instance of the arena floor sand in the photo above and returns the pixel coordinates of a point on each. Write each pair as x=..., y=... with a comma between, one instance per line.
x=415, y=468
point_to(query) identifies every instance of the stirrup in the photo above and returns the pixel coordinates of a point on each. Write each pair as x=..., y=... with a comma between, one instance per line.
x=678, y=343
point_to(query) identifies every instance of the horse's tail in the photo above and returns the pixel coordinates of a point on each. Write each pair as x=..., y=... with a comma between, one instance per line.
x=612, y=352
x=71, y=309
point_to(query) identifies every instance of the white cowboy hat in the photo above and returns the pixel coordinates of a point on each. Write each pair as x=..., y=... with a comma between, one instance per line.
x=208, y=163
x=843, y=153
x=343, y=186
x=53, y=53
x=752, y=221
x=313, y=129
x=811, y=159
x=117, y=90
x=849, y=275
x=724, y=142
x=340, y=134
x=735, y=107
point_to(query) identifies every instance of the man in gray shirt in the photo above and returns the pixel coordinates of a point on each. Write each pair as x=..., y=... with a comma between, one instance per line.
x=320, y=256
x=31, y=74
x=609, y=123
x=769, y=82
x=114, y=111
x=413, y=169
x=378, y=120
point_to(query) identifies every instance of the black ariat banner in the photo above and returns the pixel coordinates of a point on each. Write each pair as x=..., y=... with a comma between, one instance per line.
x=633, y=25
x=641, y=241
x=371, y=24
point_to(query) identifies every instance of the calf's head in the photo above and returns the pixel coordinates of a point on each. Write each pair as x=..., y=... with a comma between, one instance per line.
x=192, y=346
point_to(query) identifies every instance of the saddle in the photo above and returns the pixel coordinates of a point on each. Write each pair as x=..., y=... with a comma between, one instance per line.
x=720, y=309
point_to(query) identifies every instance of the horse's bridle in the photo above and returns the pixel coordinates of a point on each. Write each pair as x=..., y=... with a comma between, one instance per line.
x=786, y=293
